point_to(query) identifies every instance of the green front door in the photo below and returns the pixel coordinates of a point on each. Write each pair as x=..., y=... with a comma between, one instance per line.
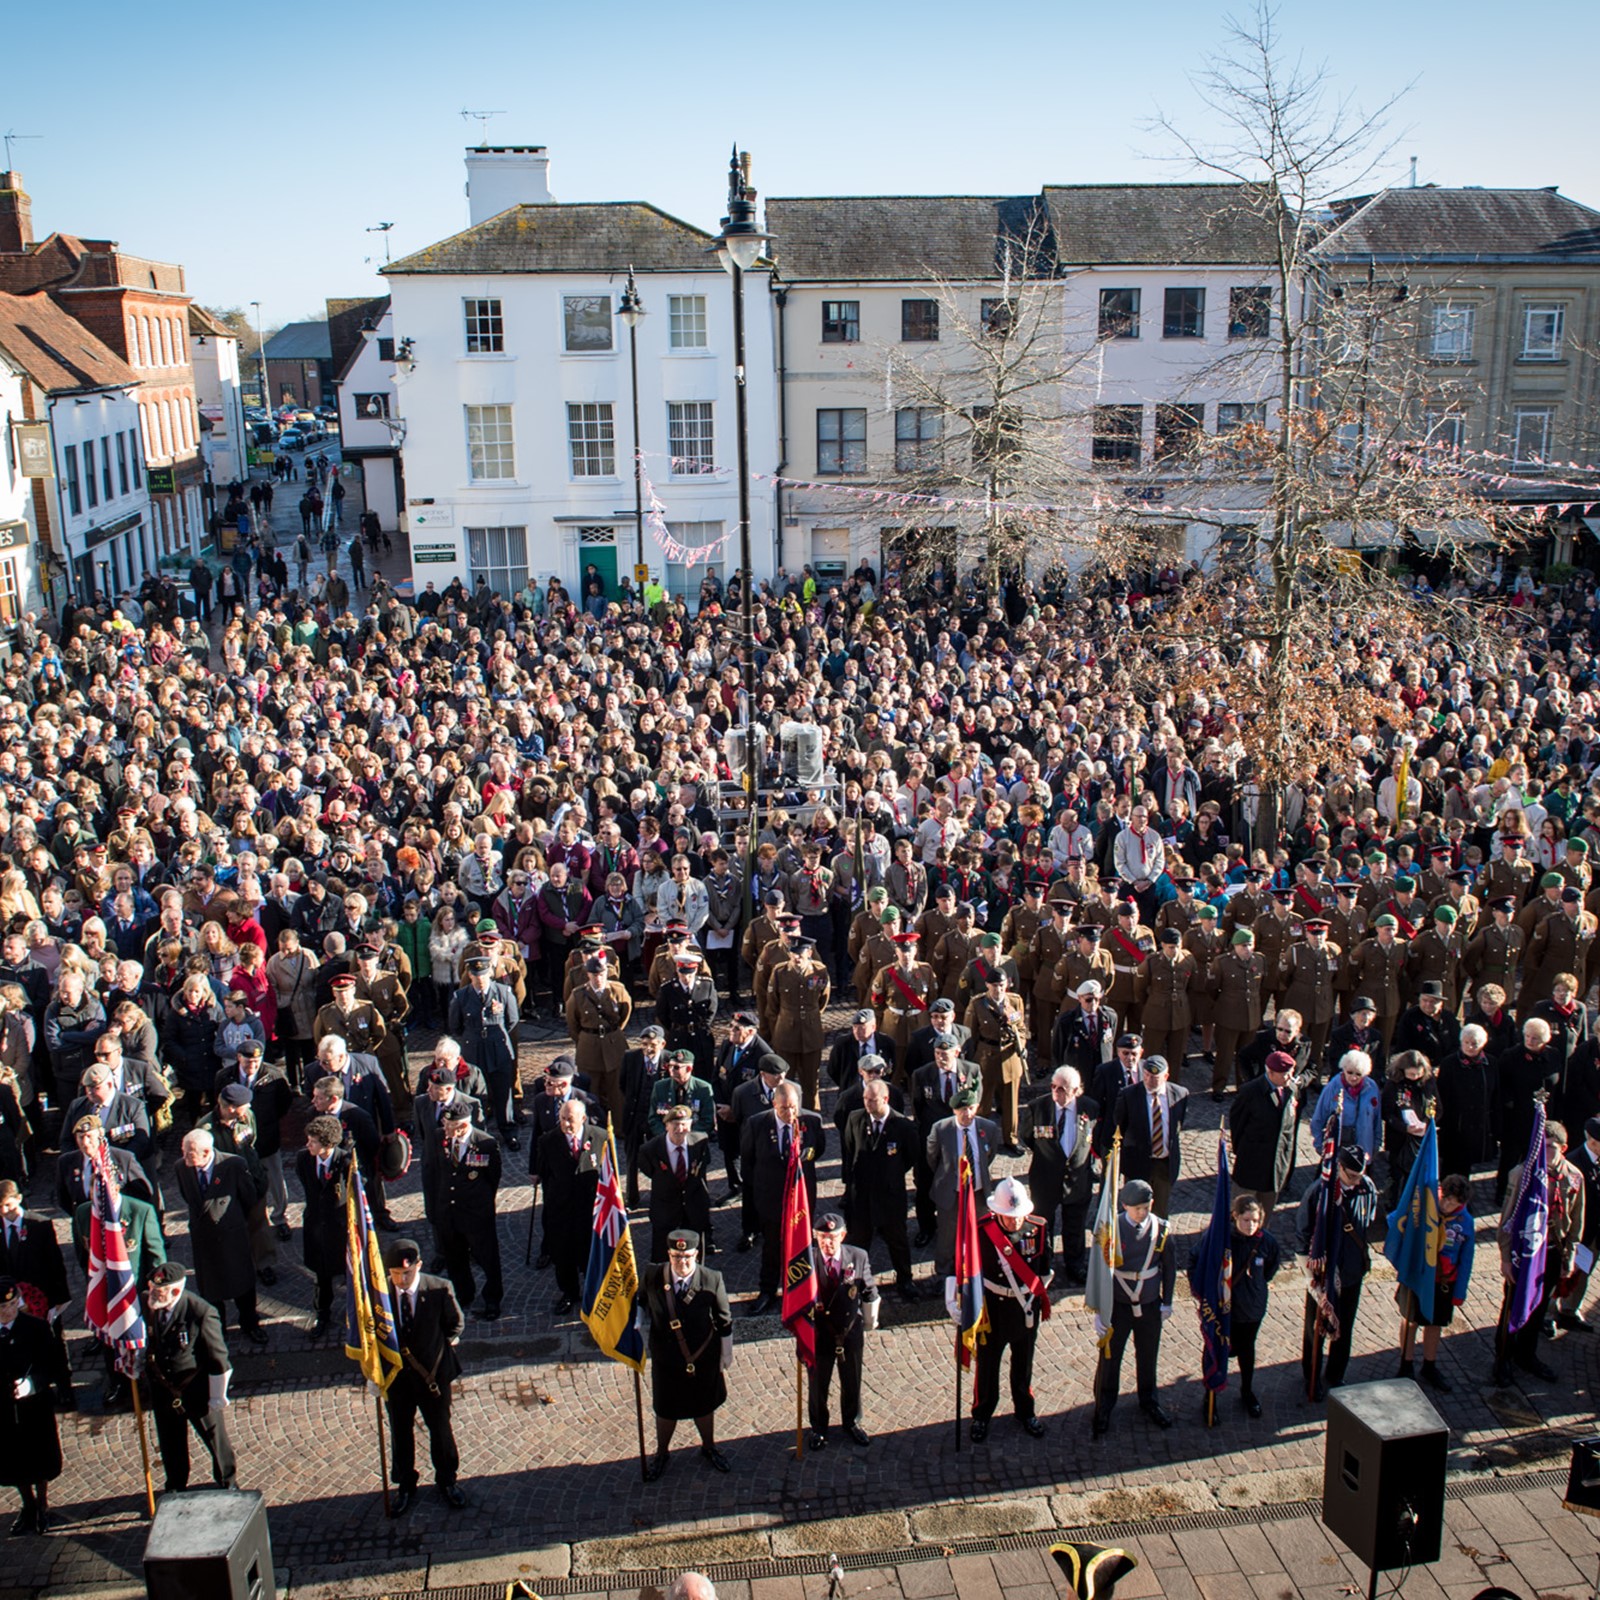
x=603, y=558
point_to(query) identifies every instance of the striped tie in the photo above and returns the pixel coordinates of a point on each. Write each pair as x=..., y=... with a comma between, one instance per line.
x=1158, y=1129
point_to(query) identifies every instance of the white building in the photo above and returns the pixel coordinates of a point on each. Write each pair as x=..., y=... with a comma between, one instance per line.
x=27, y=453
x=370, y=430
x=514, y=387
x=214, y=355
x=91, y=521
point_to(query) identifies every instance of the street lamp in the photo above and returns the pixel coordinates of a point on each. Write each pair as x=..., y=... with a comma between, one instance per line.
x=261, y=360
x=739, y=248
x=631, y=310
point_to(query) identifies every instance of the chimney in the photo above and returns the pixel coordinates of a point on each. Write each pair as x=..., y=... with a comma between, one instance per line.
x=16, y=214
x=500, y=176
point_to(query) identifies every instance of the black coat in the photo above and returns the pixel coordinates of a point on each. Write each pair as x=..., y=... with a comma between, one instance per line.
x=1133, y=1122
x=127, y=1123
x=839, y=1315
x=360, y=1135
x=765, y=1168
x=467, y=1188
x=429, y=1336
x=428, y=1132
x=1255, y=1264
x=919, y=1048
x=30, y=1446
x=928, y=1104
x=219, y=1227
x=639, y=1077
x=676, y=1203
x=1345, y=1037
x=846, y=1053
x=704, y=1320
x=72, y=1191
x=854, y=1098
x=185, y=1351
x=1468, y=1103
x=875, y=1169
x=323, y=1231
x=1521, y=1076
x=271, y=1099
x=36, y=1260
x=733, y=1067
x=1262, y=1134
x=1055, y=1178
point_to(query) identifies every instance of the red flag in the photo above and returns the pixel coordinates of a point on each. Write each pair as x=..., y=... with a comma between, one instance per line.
x=972, y=1322
x=799, y=1276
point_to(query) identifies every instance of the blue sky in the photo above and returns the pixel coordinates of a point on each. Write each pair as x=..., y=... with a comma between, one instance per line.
x=255, y=145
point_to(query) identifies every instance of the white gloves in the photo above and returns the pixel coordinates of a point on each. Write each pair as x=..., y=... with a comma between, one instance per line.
x=952, y=1300
x=219, y=1391
x=639, y=1321
x=869, y=1315
x=727, y=1352
x=1166, y=1311
x=22, y=1388
x=1100, y=1327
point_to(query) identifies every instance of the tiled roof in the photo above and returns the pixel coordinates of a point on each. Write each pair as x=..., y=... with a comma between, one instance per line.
x=568, y=238
x=346, y=320
x=299, y=341
x=56, y=350
x=1154, y=224
x=900, y=237
x=1463, y=224
x=201, y=321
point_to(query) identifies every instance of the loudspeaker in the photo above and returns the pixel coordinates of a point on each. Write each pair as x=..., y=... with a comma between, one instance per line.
x=802, y=753
x=1383, y=1473
x=211, y=1544
x=1583, y=1478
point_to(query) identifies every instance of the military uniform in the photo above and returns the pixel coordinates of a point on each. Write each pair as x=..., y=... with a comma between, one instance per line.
x=1435, y=956
x=999, y=1041
x=361, y=1027
x=387, y=997
x=1494, y=955
x=686, y=1015
x=1376, y=971
x=1179, y=914
x=1038, y=973
x=954, y=953
x=1308, y=979
x=901, y=1000
x=1275, y=933
x=469, y=1181
x=598, y=1024
x=187, y=1364
x=1162, y=989
x=1016, y=1280
x=773, y=955
x=1129, y=948
x=1502, y=879
x=930, y=928
x=1236, y=981
x=975, y=979
x=1141, y=1293
x=1346, y=929
x=1074, y=970
x=1242, y=910
x=798, y=997
x=1559, y=944
x=1205, y=944
x=1017, y=932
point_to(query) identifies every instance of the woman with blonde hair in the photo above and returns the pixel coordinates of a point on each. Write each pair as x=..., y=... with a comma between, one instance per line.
x=16, y=898
x=220, y=952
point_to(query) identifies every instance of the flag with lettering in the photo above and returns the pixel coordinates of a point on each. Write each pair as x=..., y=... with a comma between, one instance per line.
x=1416, y=1229
x=111, y=1307
x=799, y=1273
x=611, y=1283
x=1530, y=1229
x=371, y=1332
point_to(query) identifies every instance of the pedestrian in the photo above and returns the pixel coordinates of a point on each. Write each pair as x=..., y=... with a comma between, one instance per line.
x=1014, y=1261
x=1058, y=1133
x=336, y=493
x=691, y=1348
x=1150, y=1117
x=358, y=562
x=1451, y=1278
x=483, y=1017
x=1337, y=1276
x=1141, y=1301
x=200, y=582
x=675, y=1162
x=189, y=1370
x=33, y=1369
x=1255, y=1255
x=847, y=1310
x=221, y=1196
x=1263, y=1125
x=466, y=1210
x=428, y=1326
x=324, y=1169
x=769, y=1138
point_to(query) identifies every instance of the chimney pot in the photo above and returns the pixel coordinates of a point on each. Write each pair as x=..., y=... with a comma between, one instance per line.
x=16, y=214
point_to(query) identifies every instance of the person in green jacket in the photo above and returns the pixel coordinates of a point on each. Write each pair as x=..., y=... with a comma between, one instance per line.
x=412, y=936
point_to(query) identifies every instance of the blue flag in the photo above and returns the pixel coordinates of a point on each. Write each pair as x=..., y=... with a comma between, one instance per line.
x=1530, y=1229
x=1416, y=1230
x=611, y=1283
x=1211, y=1282
x=371, y=1336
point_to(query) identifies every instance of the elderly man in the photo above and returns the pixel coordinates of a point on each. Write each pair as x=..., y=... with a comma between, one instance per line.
x=880, y=1149
x=221, y=1196
x=569, y=1169
x=188, y=1367
x=847, y=1309
x=362, y=1086
x=122, y=1115
x=483, y=1018
x=468, y=1182
x=769, y=1138
x=1058, y=1132
x=962, y=1136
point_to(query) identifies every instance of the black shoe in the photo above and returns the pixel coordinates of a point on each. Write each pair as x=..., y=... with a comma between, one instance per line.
x=1252, y=1406
x=320, y=1326
x=401, y=1501
x=657, y=1465
x=285, y=1232
x=1155, y=1413
x=1033, y=1427
x=924, y=1237
x=816, y=1440
x=745, y=1241
x=907, y=1290
x=856, y=1434
x=44, y=1521
x=256, y=1334
x=452, y=1496
x=387, y=1224
x=1435, y=1379
x=1217, y=1097
x=491, y=1313
x=762, y=1304
x=712, y=1248
x=1573, y=1323
x=64, y=1398
x=1542, y=1370
x=734, y=1188
x=543, y=1262
x=267, y=1275
x=563, y=1305
x=1100, y=1427
x=24, y=1524
x=115, y=1396
x=1320, y=1393
x=511, y=1142
x=718, y=1461
x=1501, y=1376
x=1012, y=1149
x=980, y=1430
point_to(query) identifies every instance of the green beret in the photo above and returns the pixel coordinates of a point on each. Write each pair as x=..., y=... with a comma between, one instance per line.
x=1405, y=885
x=1385, y=921
x=878, y=894
x=1376, y=858
x=1207, y=911
x=1444, y=914
x=891, y=915
x=1577, y=847
x=990, y=941
x=1552, y=880
x=966, y=1095
x=1242, y=936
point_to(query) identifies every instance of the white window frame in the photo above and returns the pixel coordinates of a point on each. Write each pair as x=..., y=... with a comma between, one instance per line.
x=1445, y=431
x=10, y=590
x=1526, y=417
x=686, y=322
x=1454, y=325
x=918, y=438
x=491, y=444
x=1549, y=349
x=508, y=575
x=691, y=437
x=483, y=325
x=591, y=440
x=587, y=306
x=684, y=582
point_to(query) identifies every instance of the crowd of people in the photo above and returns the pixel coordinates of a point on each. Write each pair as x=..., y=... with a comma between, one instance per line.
x=241, y=869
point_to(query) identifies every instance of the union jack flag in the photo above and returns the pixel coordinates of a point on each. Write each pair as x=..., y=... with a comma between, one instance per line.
x=611, y=1284
x=111, y=1307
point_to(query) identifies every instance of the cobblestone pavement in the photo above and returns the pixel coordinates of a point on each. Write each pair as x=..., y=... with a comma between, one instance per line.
x=550, y=1445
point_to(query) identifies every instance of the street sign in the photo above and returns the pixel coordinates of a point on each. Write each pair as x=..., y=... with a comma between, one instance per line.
x=641, y=574
x=162, y=480
x=424, y=553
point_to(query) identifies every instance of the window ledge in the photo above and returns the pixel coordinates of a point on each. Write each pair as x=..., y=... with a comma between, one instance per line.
x=474, y=485
x=690, y=354
x=589, y=355
x=487, y=355
x=1543, y=362
x=578, y=483
x=1453, y=361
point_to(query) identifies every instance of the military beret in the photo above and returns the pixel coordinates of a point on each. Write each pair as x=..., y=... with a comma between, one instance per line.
x=1171, y=936
x=872, y=1063
x=773, y=897
x=1446, y=914
x=677, y=1114
x=1089, y=987
x=773, y=1065
x=1242, y=936
x=1126, y=908
x=1156, y=1064
x=1127, y=1041
x=1551, y=880
x=946, y=1041
x=1405, y=885
x=167, y=1274
x=1280, y=1061
x=998, y=975
x=680, y=1058
x=945, y=891
x=1577, y=847
x=562, y=1067
x=747, y=1019
x=234, y=1094
x=966, y=909
x=1571, y=897
x=829, y=1222
x=1592, y=1128
x=595, y=964
x=683, y=1239
x=1135, y=1192
x=989, y=941
x=1385, y=920
x=966, y=1094
x=1206, y=912
x=1376, y=858
x=877, y=895
x=457, y=1111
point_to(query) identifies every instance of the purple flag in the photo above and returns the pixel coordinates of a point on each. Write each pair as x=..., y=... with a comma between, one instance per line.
x=1530, y=1230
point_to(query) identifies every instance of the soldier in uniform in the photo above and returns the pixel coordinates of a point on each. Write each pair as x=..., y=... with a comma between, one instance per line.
x=1086, y=959
x=1546, y=903
x=469, y=1183
x=878, y=951
x=1141, y=1300
x=763, y=929
x=989, y=960
x=676, y=1161
x=902, y=993
x=1575, y=869
x=798, y=992
x=385, y=994
x=1434, y=880
x=864, y=925
x=1022, y=922
x=1510, y=874
x=1039, y=974
x=1204, y=943
x=1308, y=977
x=1347, y=927
x=358, y=1022
x=187, y=1363
x=1014, y=1259
x=428, y=1325
x=999, y=1041
x=1376, y=967
x=956, y=951
x=483, y=1019
x=1434, y=956
x=847, y=1309
x=936, y=921
x=679, y=1086
x=1129, y=944
x=1494, y=953
x=691, y=1346
x=1276, y=929
x=33, y=1369
x=1248, y=904
x=1562, y=943
x=774, y=953
x=1179, y=913
x=1161, y=991
x=1237, y=978
x=686, y=1007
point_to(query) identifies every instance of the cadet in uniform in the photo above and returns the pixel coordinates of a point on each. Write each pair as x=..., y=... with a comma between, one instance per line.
x=691, y=1346
x=1141, y=1300
x=1041, y=972
x=428, y=1326
x=1014, y=1258
x=597, y=1023
x=1237, y=979
x=846, y=1310
x=187, y=1363
x=1161, y=990
x=999, y=1035
x=798, y=992
x=902, y=993
x=1435, y=956
x=358, y=1022
x=956, y=951
x=1494, y=953
x=1129, y=944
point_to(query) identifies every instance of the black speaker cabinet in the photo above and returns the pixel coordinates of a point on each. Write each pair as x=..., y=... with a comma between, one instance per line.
x=211, y=1544
x=1583, y=1479
x=1383, y=1473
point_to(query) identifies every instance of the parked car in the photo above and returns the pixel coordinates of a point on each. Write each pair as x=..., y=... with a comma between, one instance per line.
x=291, y=439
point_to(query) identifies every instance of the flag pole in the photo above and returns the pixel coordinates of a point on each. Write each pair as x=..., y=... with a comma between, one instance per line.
x=383, y=1449
x=1211, y=1408
x=144, y=1447
x=958, y=1393
x=638, y=1411
x=799, y=1406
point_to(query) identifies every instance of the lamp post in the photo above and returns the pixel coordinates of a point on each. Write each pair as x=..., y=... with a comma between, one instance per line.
x=631, y=310
x=738, y=248
x=261, y=360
